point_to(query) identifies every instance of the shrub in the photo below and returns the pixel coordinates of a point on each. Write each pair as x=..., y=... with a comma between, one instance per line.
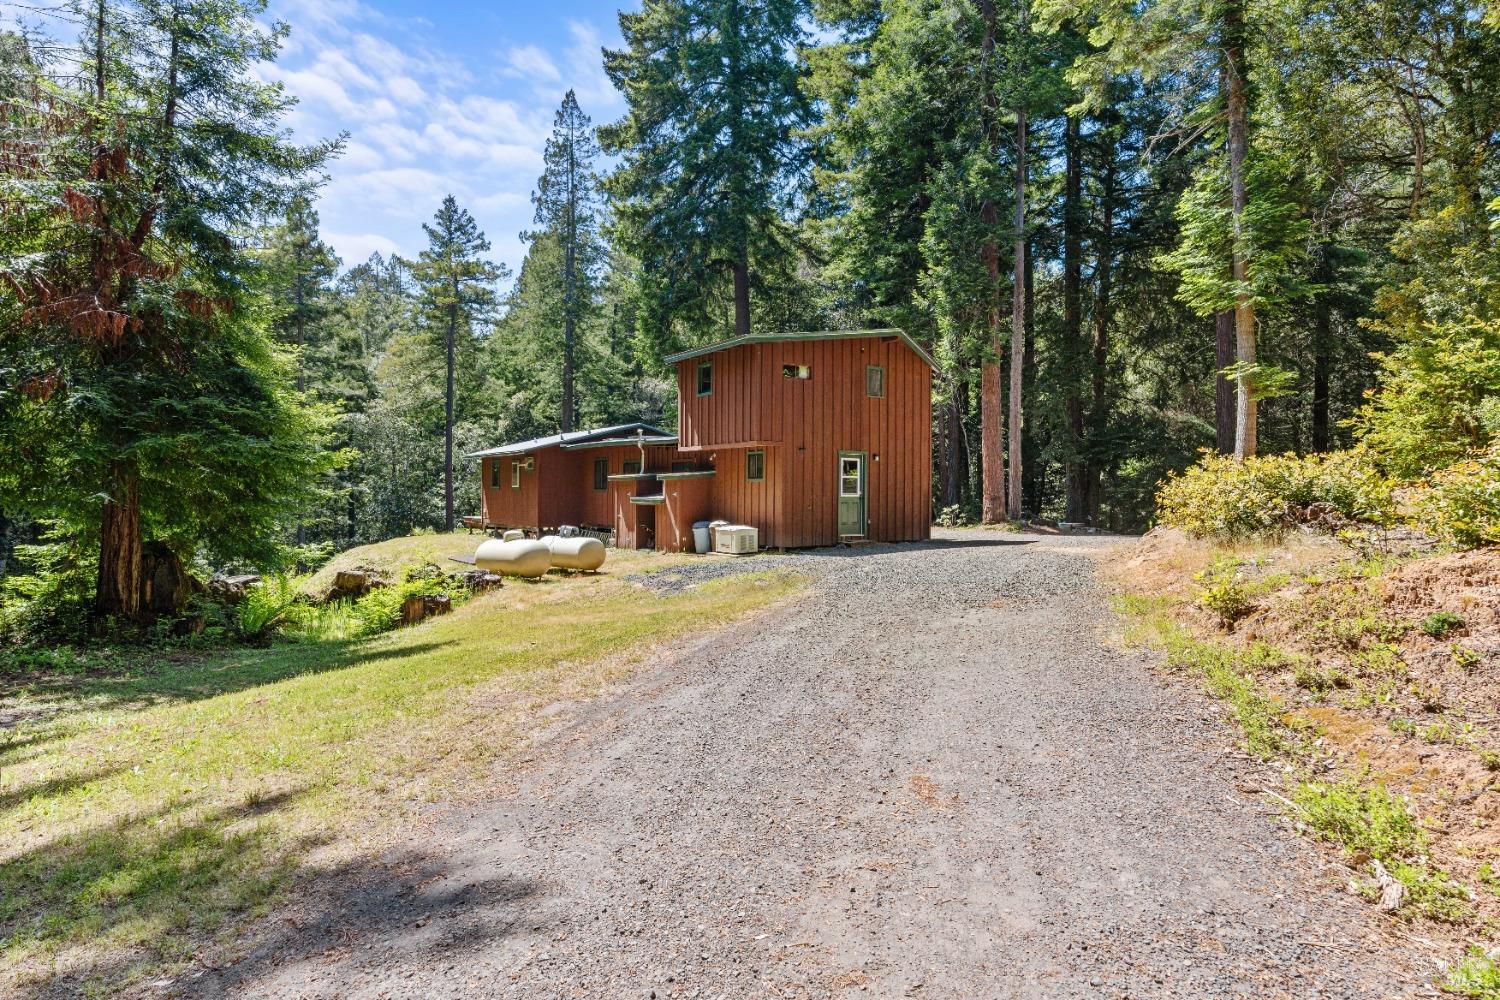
x=1440, y=623
x=1461, y=504
x=1227, y=499
x=1371, y=820
x=1476, y=976
x=265, y=605
x=1224, y=592
x=1435, y=402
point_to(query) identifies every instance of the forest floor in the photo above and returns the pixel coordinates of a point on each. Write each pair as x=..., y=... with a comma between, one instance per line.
x=936, y=773
x=158, y=805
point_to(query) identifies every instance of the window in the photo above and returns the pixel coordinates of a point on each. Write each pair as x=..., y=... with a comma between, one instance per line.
x=850, y=476
x=601, y=473
x=706, y=378
x=874, y=380
x=755, y=466
x=515, y=473
x=495, y=474
x=682, y=466
x=796, y=371
x=632, y=468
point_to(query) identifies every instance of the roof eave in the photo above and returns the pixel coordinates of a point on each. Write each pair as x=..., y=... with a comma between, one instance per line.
x=774, y=338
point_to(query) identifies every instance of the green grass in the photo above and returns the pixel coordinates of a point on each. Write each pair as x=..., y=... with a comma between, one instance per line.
x=1367, y=821
x=1227, y=672
x=146, y=812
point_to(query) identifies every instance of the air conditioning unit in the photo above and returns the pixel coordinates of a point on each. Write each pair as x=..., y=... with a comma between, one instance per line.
x=736, y=539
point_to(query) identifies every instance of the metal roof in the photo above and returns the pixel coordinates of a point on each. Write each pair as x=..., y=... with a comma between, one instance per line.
x=613, y=442
x=773, y=338
x=571, y=437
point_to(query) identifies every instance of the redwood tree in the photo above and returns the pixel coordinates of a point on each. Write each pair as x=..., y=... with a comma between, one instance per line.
x=160, y=407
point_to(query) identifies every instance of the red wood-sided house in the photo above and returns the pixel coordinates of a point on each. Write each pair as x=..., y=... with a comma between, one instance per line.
x=811, y=438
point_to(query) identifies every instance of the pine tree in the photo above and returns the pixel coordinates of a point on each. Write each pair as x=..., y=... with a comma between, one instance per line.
x=456, y=300
x=566, y=201
x=710, y=152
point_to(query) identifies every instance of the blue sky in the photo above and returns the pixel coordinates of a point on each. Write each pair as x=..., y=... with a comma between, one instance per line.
x=437, y=99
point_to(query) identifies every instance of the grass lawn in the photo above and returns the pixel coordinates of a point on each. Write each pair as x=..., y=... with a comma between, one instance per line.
x=147, y=812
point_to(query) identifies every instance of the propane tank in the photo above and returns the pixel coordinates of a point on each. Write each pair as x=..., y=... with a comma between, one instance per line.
x=518, y=557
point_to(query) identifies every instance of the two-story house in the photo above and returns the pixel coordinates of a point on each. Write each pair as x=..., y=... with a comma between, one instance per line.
x=812, y=438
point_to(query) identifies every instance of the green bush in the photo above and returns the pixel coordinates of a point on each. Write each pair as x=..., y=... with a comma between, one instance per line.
x=1372, y=820
x=1224, y=592
x=46, y=597
x=1461, y=504
x=1476, y=976
x=265, y=605
x=1436, y=402
x=1440, y=623
x=1227, y=499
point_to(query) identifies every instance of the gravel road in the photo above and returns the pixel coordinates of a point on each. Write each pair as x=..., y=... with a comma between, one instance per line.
x=931, y=775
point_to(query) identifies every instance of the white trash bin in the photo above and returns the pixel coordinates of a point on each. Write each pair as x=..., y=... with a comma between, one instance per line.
x=700, y=537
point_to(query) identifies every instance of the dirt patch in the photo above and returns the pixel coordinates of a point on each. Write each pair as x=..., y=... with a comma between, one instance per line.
x=1392, y=666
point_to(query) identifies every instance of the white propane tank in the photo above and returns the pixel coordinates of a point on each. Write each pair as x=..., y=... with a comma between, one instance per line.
x=577, y=553
x=513, y=535
x=518, y=557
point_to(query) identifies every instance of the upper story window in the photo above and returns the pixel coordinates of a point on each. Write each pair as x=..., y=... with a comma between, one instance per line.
x=796, y=371
x=494, y=474
x=515, y=473
x=601, y=473
x=632, y=468
x=706, y=378
x=682, y=466
x=874, y=380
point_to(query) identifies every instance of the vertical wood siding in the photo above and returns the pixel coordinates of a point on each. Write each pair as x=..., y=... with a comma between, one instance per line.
x=811, y=421
x=801, y=424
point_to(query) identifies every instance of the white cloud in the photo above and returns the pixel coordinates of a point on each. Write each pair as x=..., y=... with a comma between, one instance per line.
x=527, y=62
x=424, y=122
x=355, y=248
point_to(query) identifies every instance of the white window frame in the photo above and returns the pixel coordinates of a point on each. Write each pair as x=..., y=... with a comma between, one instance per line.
x=858, y=476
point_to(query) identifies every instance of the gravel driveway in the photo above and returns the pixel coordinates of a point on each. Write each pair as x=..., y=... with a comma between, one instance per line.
x=930, y=776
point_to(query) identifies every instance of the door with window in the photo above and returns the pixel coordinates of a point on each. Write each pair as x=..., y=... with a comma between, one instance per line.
x=851, y=493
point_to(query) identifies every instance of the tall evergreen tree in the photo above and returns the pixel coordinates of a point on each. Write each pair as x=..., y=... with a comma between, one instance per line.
x=164, y=388
x=710, y=153
x=456, y=297
x=567, y=206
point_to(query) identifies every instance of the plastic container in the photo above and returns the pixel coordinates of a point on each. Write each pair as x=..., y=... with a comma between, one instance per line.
x=700, y=537
x=713, y=534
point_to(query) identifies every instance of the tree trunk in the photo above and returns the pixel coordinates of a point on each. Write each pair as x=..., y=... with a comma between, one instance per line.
x=569, y=290
x=300, y=298
x=991, y=419
x=1018, y=317
x=1238, y=114
x=1075, y=503
x=117, y=591
x=1224, y=423
x=1103, y=274
x=1321, y=365
x=742, y=297
x=448, y=418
